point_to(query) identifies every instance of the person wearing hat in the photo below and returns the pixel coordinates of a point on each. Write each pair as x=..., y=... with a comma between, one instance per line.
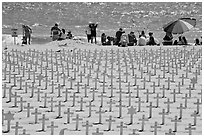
x=151, y=39
x=132, y=39
x=55, y=32
x=118, y=36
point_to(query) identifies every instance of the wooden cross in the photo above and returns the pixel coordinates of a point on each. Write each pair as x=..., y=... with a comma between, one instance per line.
x=28, y=109
x=69, y=113
x=163, y=113
x=147, y=95
x=81, y=104
x=150, y=109
x=16, y=127
x=155, y=128
x=74, y=98
x=43, y=123
x=77, y=119
x=174, y=95
x=66, y=94
x=176, y=120
x=52, y=87
x=40, y=78
x=120, y=108
x=45, y=101
x=121, y=128
x=59, y=91
x=186, y=97
x=138, y=88
x=59, y=109
x=36, y=113
x=15, y=96
x=198, y=103
x=181, y=110
x=38, y=94
x=52, y=127
x=110, y=120
x=21, y=104
x=93, y=91
x=157, y=97
x=194, y=115
x=168, y=105
x=87, y=127
x=110, y=106
x=100, y=112
x=182, y=79
x=190, y=128
x=168, y=83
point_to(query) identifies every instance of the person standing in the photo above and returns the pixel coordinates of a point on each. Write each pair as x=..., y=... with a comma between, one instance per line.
x=88, y=32
x=93, y=32
x=55, y=32
x=26, y=34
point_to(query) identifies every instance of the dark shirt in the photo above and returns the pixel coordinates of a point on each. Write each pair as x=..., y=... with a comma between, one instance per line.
x=132, y=38
x=93, y=30
x=119, y=34
x=151, y=41
x=167, y=37
x=55, y=30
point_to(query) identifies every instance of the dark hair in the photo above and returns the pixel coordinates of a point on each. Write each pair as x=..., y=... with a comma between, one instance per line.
x=56, y=24
x=63, y=31
x=197, y=42
x=143, y=32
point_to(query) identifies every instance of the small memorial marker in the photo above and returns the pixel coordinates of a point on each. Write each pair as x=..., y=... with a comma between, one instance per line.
x=77, y=119
x=121, y=128
x=21, y=104
x=110, y=120
x=28, y=109
x=181, y=110
x=100, y=112
x=52, y=127
x=198, y=103
x=190, y=128
x=81, y=104
x=15, y=96
x=155, y=128
x=69, y=113
x=36, y=113
x=176, y=120
x=120, y=109
x=59, y=109
x=163, y=113
x=43, y=123
x=170, y=132
x=150, y=109
x=45, y=101
x=194, y=115
x=168, y=105
x=87, y=127
x=16, y=127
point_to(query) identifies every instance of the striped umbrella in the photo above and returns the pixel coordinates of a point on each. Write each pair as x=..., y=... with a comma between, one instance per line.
x=180, y=26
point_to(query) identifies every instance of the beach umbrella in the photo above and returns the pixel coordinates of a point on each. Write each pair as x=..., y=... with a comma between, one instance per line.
x=180, y=26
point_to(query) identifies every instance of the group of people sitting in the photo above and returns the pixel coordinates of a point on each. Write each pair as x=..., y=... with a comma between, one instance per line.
x=121, y=39
x=60, y=34
x=168, y=40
